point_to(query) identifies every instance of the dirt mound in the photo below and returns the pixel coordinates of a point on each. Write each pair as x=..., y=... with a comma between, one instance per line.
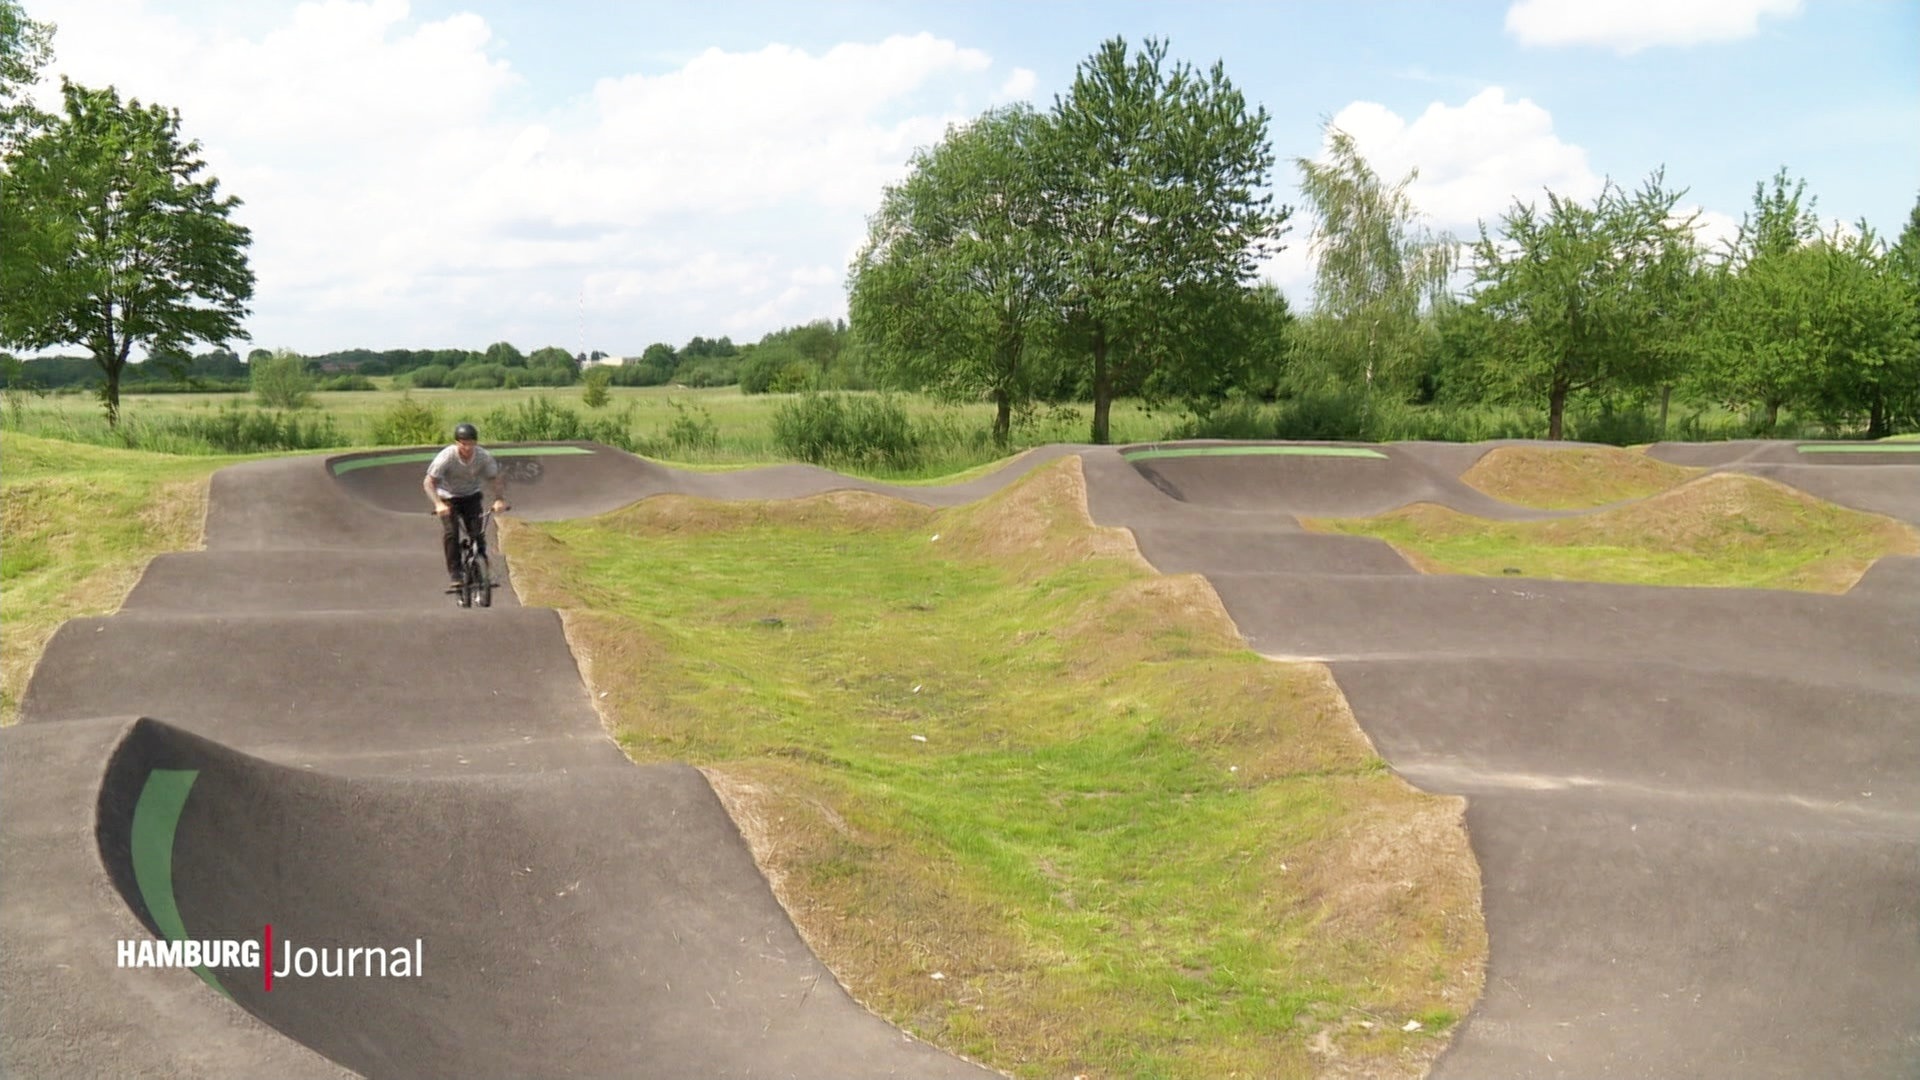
x=1572, y=479
x=1735, y=529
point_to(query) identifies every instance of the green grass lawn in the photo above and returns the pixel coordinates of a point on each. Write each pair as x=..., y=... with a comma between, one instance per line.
x=1721, y=530
x=80, y=523
x=1013, y=757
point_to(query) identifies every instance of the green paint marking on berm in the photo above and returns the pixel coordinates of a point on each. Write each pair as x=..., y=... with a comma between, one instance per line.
x=155, y=819
x=420, y=456
x=1860, y=448
x=1250, y=451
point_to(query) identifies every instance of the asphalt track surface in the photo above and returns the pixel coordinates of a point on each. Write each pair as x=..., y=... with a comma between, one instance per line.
x=1697, y=811
x=312, y=736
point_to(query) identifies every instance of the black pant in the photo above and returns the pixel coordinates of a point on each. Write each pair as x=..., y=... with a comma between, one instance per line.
x=467, y=508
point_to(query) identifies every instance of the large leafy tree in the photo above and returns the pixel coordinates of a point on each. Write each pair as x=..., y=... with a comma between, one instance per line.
x=25, y=47
x=956, y=286
x=1221, y=340
x=1902, y=267
x=1861, y=328
x=1582, y=297
x=114, y=238
x=1761, y=353
x=1375, y=270
x=1157, y=172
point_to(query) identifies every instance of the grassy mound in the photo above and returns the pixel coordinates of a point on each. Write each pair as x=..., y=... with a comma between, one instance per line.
x=1573, y=479
x=1028, y=799
x=80, y=524
x=1720, y=530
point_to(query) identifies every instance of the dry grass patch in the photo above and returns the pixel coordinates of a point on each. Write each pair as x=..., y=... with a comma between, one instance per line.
x=1573, y=479
x=1040, y=522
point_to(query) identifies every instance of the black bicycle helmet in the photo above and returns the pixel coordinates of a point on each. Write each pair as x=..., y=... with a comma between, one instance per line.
x=465, y=431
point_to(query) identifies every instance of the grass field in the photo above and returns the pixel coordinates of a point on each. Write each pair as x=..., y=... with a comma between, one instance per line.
x=729, y=428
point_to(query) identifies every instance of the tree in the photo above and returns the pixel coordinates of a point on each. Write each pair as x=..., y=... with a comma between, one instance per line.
x=596, y=395
x=1374, y=269
x=1863, y=328
x=1579, y=298
x=1155, y=171
x=505, y=354
x=280, y=379
x=1902, y=266
x=1759, y=356
x=1221, y=340
x=25, y=47
x=114, y=239
x=957, y=278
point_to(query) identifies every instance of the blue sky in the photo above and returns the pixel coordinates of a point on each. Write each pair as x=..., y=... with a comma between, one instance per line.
x=606, y=175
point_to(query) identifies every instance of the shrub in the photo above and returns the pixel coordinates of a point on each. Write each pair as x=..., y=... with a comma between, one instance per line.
x=692, y=429
x=834, y=429
x=540, y=419
x=709, y=371
x=1324, y=415
x=281, y=381
x=479, y=377
x=234, y=430
x=1614, y=426
x=1238, y=419
x=429, y=377
x=595, y=396
x=409, y=423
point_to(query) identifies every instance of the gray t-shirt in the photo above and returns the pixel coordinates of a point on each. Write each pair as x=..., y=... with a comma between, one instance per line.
x=454, y=478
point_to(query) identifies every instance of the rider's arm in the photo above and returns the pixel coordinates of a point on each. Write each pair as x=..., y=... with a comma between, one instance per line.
x=433, y=493
x=499, y=482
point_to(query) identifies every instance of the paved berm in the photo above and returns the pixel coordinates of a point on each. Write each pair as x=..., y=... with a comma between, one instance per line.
x=1697, y=810
x=296, y=727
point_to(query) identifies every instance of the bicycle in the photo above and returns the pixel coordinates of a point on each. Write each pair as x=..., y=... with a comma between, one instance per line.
x=475, y=586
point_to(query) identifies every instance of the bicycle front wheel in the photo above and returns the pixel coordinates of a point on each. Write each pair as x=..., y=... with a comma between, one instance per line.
x=483, y=585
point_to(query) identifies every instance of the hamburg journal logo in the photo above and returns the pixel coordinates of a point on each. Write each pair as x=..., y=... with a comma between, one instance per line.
x=288, y=961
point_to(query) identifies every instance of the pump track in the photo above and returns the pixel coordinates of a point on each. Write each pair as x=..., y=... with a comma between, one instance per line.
x=1696, y=810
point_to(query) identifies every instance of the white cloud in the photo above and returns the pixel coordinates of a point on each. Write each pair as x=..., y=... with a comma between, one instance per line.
x=397, y=201
x=1628, y=26
x=1714, y=230
x=1019, y=85
x=1473, y=159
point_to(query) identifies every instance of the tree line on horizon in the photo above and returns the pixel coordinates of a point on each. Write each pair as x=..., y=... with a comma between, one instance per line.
x=1110, y=245
x=1106, y=247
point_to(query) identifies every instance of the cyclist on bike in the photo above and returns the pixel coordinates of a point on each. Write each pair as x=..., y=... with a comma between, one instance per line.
x=455, y=482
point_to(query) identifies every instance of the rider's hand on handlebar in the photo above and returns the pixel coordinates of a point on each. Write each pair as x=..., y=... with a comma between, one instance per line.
x=443, y=509
x=500, y=506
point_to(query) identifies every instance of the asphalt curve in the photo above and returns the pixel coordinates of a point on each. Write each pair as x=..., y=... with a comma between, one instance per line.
x=1697, y=810
x=337, y=751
